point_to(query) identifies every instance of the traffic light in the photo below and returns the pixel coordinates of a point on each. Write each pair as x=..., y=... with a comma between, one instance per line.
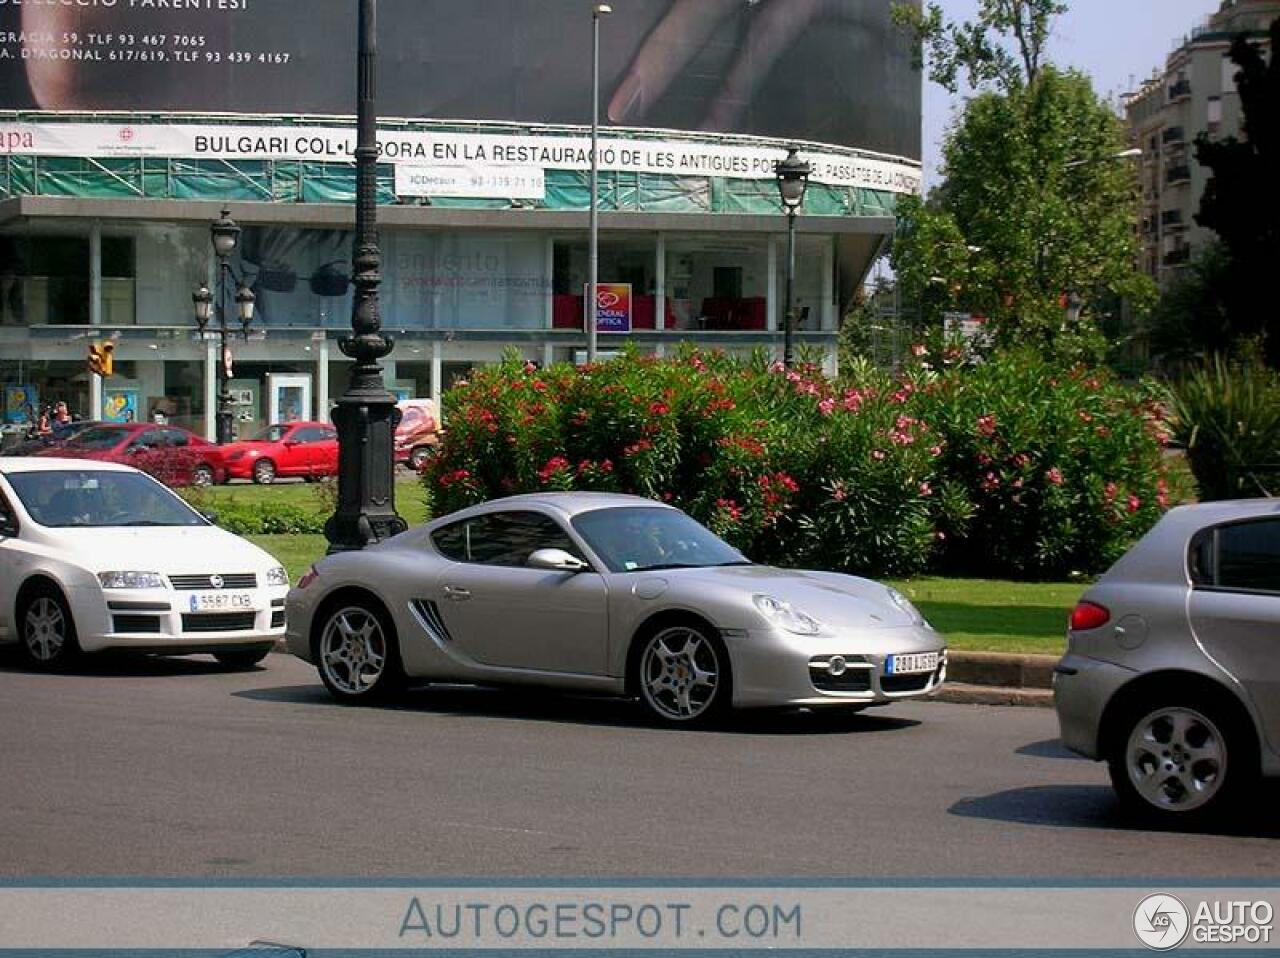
x=102, y=358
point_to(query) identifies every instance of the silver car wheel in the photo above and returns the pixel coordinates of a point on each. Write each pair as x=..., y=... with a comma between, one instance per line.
x=353, y=650
x=679, y=673
x=1176, y=759
x=44, y=629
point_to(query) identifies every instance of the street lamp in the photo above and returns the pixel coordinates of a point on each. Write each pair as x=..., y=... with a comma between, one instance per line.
x=366, y=415
x=793, y=180
x=593, y=241
x=1122, y=155
x=224, y=233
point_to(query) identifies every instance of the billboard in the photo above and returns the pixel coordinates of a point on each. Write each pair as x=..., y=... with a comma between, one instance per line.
x=832, y=71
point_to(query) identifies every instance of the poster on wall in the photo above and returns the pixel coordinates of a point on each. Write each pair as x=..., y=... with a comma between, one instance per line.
x=720, y=66
x=613, y=307
x=120, y=404
x=21, y=403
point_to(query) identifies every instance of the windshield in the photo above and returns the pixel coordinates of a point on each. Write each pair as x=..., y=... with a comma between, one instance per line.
x=98, y=498
x=634, y=539
x=272, y=434
x=99, y=437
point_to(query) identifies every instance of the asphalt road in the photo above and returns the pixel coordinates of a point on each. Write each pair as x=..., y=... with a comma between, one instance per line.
x=174, y=768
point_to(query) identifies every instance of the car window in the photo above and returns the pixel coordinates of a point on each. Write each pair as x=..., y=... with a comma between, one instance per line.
x=1249, y=556
x=502, y=538
x=309, y=434
x=174, y=437
x=88, y=497
x=99, y=437
x=8, y=518
x=152, y=439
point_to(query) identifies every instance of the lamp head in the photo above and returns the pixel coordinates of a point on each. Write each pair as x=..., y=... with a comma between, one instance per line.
x=244, y=306
x=793, y=180
x=225, y=234
x=202, y=302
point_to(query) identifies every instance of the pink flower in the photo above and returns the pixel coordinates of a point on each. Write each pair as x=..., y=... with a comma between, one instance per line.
x=1084, y=416
x=1022, y=460
x=788, y=483
x=919, y=350
x=926, y=489
x=827, y=406
x=659, y=409
x=1134, y=503
x=935, y=451
x=877, y=455
x=838, y=492
x=1054, y=475
x=940, y=535
x=554, y=464
x=529, y=367
x=987, y=425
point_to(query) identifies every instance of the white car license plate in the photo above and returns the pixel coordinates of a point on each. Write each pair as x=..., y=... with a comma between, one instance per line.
x=914, y=662
x=222, y=602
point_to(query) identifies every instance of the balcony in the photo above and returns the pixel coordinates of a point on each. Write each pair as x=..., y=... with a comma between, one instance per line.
x=1172, y=219
x=1179, y=91
x=1179, y=256
x=1175, y=175
x=1173, y=135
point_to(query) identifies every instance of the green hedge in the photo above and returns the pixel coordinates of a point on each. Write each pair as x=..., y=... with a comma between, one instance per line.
x=1014, y=467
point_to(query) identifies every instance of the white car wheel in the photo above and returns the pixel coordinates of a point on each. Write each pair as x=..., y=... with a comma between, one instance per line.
x=47, y=630
x=683, y=674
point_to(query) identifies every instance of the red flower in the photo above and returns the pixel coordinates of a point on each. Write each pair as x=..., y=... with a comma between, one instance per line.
x=1134, y=503
x=554, y=464
x=1054, y=475
x=987, y=425
x=659, y=409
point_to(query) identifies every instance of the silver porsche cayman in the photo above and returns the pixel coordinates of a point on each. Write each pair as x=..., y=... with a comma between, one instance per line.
x=610, y=594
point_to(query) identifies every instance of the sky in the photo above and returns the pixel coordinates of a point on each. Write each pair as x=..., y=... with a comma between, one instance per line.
x=1117, y=42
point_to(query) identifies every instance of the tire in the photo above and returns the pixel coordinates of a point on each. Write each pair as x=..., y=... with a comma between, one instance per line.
x=242, y=659
x=202, y=476
x=1182, y=760
x=682, y=674
x=357, y=652
x=47, y=630
x=418, y=458
x=264, y=472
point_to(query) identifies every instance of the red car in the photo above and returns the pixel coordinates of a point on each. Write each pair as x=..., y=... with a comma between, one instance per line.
x=175, y=456
x=307, y=449
x=418, y=431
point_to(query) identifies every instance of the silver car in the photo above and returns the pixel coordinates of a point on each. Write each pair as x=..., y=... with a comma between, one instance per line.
x=1172, y=671
x=609, y=594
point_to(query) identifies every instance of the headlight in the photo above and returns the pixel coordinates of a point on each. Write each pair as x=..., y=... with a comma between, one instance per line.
x=785, y=616
x=131, y=580
x=277, y=576
x=903, y=603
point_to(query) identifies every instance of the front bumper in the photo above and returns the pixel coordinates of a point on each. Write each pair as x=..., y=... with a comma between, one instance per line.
x=159, y=620
x=774, y=668
x=1082, y=687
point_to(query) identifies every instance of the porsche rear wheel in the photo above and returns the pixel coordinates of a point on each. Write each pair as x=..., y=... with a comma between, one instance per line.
x=682, y=675
x=264, y=472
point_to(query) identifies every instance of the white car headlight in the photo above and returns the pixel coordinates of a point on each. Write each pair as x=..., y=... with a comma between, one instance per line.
x=277, y=576
x=131, y=580
x=903, y=603
x=786, y=616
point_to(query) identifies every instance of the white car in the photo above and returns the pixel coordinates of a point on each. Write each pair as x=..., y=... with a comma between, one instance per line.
x=97, y=556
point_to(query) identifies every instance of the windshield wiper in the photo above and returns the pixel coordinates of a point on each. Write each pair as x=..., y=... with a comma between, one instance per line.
x=721, y=565
x=669, y=565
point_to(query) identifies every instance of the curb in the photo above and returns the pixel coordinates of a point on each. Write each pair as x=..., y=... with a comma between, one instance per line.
x=961, y=693
x=1001, y=670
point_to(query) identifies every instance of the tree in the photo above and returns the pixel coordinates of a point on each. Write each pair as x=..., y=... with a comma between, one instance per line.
x=1033, y=224
x=1241, y=201
x=1192, y=318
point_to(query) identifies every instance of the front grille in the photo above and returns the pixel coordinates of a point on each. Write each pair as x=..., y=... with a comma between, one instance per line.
x=852, y=680
x=135, y=623
x=230, y=580
x=277, y=619
x=905, y=683
x=218, y=621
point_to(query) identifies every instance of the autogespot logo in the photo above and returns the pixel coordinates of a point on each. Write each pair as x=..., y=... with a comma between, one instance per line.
x=1162, y=922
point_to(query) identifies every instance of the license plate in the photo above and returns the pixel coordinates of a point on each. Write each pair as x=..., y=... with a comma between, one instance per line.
x=222, y=602
x=914, y=662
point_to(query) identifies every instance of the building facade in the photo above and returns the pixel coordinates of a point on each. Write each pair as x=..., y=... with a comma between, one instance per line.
x=1194, y=93
x=106, y=200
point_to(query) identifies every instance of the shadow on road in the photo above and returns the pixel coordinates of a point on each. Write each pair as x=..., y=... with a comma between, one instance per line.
x=522, y=705
x=1085, y=806
x=126, y=665
x=1049, y=748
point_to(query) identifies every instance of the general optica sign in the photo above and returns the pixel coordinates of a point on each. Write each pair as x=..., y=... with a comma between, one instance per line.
x=613, y=307
x=827, y=71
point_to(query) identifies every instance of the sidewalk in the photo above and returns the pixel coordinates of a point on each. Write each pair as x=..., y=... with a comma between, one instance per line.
x=995, y=678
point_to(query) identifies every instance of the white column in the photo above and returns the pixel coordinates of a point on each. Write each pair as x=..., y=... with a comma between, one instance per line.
x=660, y=290
x=771, y=291
x=549, y=273
x=322, y=379
x=95, y=311
x=211, y=360
x=548, y=354
x=437, y=371
x=829, y=284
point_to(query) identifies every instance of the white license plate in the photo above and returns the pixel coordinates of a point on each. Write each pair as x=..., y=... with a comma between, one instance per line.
x=222, y=602
x=914, y=662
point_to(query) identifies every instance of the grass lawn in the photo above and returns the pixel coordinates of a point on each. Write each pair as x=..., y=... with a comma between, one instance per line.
x=989, y=615
x=411, y=498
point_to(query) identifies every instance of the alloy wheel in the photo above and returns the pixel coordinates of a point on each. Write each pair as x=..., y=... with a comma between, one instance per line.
x=353, y=650
x=264, y=472
x=45, y=629
x=679, y=673
x=1176, y=759
x=201, y=476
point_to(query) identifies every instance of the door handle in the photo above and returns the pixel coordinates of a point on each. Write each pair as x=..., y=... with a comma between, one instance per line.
x=456, y=594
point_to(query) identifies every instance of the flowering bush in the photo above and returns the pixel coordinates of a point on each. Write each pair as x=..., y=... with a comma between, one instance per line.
x=1012, y=466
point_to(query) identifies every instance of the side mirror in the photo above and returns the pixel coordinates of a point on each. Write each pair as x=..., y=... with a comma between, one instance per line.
x=555, y=560
x=290, y=443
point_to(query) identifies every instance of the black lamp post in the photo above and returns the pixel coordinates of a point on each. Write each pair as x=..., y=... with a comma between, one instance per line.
x=225, y=235
x=366, y=414
x=793, y=180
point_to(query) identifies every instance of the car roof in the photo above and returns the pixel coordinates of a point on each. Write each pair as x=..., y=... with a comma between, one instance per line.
x=13, y=464
x=568, y=504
